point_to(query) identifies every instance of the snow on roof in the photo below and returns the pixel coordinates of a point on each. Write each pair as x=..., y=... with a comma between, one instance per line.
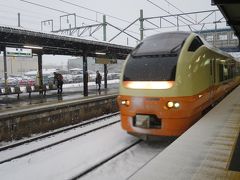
x=87, y=40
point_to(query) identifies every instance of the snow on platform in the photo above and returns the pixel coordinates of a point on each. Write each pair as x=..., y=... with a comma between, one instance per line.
x=205, y=151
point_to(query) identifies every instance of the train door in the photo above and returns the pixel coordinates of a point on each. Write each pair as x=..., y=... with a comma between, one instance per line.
x=213, y=79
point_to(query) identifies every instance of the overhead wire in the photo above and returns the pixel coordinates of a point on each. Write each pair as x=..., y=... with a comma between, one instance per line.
x=57, y=10
x=65, y=12
x=7, y=11
x=181, y=11
x=178, y=9
x=167, y=12
x=74, y=4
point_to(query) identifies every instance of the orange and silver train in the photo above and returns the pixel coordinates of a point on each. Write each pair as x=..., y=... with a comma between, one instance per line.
x=169, y=79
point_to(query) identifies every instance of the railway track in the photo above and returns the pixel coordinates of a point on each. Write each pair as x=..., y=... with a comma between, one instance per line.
x=105, y=160
x=88, y=157
x=58, y=141
x=3, y=148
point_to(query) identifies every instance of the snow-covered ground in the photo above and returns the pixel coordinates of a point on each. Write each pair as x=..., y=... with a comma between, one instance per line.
x=68, y=159
x=128, y=163
x=55, y=138
x=71, y=158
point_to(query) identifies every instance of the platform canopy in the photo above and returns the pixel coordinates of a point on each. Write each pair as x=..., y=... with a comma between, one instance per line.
x=231, y=11
x=49, y=43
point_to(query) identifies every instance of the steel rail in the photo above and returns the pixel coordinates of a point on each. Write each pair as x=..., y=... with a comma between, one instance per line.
x=105, y=160
x=60, y=141
x=56, y=132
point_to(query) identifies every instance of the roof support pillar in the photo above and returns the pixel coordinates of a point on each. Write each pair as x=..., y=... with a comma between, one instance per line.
x=105, y=39
x=39, y=74
x=105, y=76
x=5, y=67
x=85, y=75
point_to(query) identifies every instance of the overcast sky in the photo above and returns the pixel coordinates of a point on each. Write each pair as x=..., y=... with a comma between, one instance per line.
x=118, y=13
x=34, y=11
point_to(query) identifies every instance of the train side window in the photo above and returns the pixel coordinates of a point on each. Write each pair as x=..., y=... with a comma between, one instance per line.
x=196, y=43
x=238, y=70
x=226, y=72
x=221, y=72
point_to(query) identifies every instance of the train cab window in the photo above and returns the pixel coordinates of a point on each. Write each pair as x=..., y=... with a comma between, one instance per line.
x=155, y=59
x=151, y=68
x=161, y=43
x=196, y=43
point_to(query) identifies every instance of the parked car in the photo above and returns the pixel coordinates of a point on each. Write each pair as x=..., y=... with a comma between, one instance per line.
x=67, y=78
x=26, y=80
x=77, y=78
x=91, y=75
x=12, y=81
x=112, y=76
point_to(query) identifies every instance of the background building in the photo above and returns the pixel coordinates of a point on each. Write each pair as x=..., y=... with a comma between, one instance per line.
x=92, y=66
x=21, y=65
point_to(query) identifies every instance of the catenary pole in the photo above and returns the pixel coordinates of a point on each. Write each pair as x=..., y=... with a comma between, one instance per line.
x=105, y=39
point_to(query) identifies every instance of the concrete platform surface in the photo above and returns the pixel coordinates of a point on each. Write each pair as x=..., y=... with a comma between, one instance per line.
x=206, y=151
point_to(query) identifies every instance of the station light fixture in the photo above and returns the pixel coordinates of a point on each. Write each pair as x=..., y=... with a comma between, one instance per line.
x=100, y=53
x=32, y=47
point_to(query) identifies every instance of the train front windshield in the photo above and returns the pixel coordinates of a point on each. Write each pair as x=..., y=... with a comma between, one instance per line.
x=155, y=59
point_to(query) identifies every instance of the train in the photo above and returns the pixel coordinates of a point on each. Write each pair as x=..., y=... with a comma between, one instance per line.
x=168, y=81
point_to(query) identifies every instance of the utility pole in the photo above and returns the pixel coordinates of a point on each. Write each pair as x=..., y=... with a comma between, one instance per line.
x=105, y=39
x=141, y=24
x=19, y=20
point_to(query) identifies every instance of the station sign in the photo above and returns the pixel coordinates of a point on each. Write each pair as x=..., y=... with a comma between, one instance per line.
x=105, y=61
x=18, y=52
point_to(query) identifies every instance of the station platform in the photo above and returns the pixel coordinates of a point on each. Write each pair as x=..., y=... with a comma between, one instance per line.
x=70, y=93
x=37, y=114
x=210, y=149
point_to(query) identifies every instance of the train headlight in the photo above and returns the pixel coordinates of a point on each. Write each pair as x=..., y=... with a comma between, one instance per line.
x=176, y=104
x=171, y=104
x=125, y=102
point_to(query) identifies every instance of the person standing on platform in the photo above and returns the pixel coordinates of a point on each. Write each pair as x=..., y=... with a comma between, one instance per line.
x=58, y=79
x=98, y=80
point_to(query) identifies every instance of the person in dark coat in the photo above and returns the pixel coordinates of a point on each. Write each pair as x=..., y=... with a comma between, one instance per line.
x=58, y=79
x=98, y=80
